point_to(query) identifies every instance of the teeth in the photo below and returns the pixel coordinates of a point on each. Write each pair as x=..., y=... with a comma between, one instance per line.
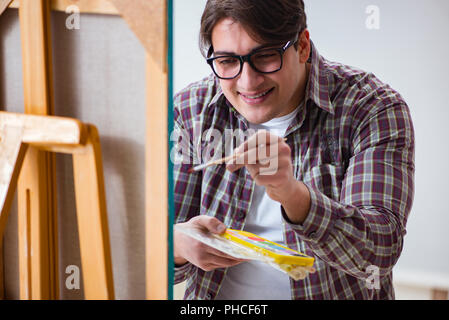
x=258, y=96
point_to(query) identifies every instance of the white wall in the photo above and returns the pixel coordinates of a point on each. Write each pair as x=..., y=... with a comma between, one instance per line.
x=409, y=52
x=189, y=64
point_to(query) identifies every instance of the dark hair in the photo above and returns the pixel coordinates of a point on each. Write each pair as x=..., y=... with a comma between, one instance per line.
x=267, y=21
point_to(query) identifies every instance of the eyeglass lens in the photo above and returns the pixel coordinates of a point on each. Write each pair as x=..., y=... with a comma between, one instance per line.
x=264, y=61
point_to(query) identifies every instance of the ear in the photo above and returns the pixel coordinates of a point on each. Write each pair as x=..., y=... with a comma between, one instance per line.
x=304, y=46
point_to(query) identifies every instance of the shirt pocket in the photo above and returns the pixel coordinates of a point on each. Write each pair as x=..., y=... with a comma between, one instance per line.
x=327, y=178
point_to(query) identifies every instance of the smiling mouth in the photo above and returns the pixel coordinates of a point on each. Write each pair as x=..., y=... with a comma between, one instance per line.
x=257, y=96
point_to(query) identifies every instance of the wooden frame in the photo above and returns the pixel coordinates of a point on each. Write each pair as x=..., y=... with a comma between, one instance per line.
x=142, y=17
x=36, y=190
x=96, y=6
x=20, y=132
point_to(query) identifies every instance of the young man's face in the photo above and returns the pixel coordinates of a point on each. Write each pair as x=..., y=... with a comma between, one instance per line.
x=284, y=89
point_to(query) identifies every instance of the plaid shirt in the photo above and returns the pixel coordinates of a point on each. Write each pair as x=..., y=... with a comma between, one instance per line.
x=352, y=146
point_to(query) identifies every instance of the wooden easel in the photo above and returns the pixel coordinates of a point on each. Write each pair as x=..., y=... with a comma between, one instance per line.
x=18, y=132
x=148, y=19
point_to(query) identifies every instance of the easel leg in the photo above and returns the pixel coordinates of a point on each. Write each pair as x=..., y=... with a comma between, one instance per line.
x=36, y=256
x=2, y=277
x=92, y=220
x=12, y=153
x=156, y=183
x=36, y=188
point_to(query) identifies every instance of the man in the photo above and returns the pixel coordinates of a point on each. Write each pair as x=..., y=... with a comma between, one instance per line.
x=342, y=185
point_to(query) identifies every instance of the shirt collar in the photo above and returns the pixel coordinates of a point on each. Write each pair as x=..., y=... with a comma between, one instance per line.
x=318, y=88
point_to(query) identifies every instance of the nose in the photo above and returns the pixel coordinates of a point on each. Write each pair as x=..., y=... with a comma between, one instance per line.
x=249, y=79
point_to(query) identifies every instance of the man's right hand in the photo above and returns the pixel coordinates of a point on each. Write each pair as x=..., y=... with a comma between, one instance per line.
x=187, y=249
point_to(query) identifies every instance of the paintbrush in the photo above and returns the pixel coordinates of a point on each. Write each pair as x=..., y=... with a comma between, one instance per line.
x=220, y=161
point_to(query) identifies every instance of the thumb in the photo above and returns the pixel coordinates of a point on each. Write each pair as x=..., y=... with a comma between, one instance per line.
x=211, y=223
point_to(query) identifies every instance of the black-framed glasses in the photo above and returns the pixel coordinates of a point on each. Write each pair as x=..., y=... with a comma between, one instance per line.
x=269, y=60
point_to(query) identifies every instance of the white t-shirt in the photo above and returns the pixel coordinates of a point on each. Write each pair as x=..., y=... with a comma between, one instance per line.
x=256, y=280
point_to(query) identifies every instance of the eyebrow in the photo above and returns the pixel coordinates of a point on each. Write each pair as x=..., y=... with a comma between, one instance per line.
x=228, y=53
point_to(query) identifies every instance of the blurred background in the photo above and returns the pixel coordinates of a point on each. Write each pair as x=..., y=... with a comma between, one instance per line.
x=402, y=43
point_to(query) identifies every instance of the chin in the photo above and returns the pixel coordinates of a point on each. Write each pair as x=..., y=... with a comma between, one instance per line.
x=256, y=118
x=256, y=114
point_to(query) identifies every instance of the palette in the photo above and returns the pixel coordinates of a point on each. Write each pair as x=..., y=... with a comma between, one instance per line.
x=248, y=246
x=279, y=253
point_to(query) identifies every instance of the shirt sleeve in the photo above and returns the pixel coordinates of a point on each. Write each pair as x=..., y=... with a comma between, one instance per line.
x=182, y=273
x=366, y=225
x=187, y=186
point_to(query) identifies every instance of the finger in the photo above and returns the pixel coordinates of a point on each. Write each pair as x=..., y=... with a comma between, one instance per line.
x=218, y=253
x=275, y=172
x=261, y=155
x=224, y=263
x=209, y=260
x=253, y=170
x=261, y=175
x=214, y=266
x=212, y=224
x=261, y=137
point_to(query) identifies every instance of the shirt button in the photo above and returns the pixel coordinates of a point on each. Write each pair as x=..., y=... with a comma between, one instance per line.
x=209, y=296
x=312, y=235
